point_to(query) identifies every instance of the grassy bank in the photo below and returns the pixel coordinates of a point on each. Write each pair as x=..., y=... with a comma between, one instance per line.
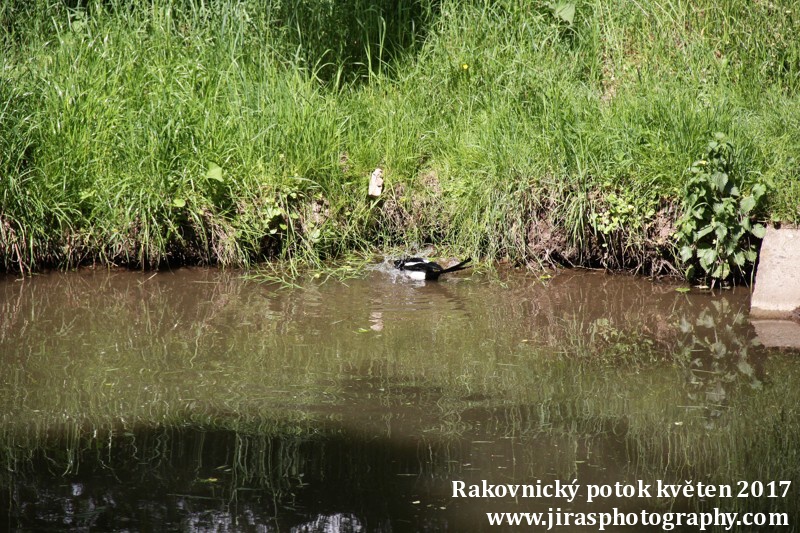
x=228, y=132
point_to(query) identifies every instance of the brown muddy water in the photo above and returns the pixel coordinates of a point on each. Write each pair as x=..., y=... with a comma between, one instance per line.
x=197, y=400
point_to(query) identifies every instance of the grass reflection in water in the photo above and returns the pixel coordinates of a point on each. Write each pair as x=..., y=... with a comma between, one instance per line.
x=195, y=398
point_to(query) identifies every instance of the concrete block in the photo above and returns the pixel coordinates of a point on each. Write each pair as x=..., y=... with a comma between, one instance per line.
x=777, y=288
x=778, y=333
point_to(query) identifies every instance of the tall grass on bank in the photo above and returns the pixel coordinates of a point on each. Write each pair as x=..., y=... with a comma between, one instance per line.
x=231, y=131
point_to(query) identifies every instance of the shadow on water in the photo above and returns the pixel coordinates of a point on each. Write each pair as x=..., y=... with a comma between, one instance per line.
x=197, y=479
x=196, y=400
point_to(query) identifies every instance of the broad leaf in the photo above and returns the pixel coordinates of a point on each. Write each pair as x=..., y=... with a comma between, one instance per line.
x=565, y=12
x=759, y=231
x=722, y=271
x=214, y=173
x=707, y=256
x=720, y=180
x=747, y=204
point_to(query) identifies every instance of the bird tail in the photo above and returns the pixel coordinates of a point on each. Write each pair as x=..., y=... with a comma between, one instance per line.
x=460, y=266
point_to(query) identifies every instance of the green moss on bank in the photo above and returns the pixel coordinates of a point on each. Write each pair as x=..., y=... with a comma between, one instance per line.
x=228, y=132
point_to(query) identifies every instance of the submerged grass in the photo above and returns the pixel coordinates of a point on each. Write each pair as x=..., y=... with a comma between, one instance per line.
x=229, y=132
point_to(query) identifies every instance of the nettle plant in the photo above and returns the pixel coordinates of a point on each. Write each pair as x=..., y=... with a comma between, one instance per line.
x=716, y=229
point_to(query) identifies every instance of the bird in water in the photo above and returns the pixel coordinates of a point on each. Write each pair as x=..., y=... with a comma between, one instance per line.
x=422, y=269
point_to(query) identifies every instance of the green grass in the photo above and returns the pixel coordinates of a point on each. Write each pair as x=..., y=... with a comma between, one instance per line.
x=230, y=133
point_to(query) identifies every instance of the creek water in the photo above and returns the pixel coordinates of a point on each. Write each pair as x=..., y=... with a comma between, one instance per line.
x=198, y=400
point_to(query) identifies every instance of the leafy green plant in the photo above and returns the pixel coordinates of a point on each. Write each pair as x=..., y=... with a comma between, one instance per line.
x=717, y=224
x=620, y=210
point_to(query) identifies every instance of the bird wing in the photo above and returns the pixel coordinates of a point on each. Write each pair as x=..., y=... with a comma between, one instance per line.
x=417, y=264
x=422, y=266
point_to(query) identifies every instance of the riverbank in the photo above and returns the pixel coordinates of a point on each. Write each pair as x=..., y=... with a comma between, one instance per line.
x=231, y=133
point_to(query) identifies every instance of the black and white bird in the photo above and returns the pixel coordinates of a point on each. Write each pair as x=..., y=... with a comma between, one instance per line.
x=422, y=269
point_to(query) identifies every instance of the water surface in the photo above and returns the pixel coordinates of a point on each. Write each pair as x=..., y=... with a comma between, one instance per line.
x=197, y=400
